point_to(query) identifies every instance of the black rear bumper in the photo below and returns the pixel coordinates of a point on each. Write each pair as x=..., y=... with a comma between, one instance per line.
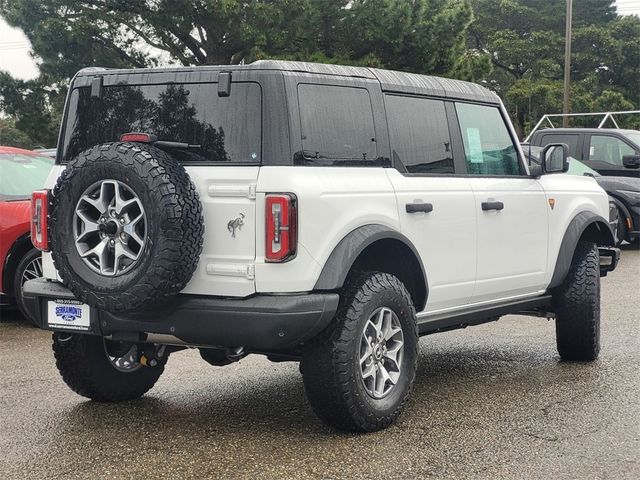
x=268, y=323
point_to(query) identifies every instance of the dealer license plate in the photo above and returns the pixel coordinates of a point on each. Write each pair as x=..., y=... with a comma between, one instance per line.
x=68, y=314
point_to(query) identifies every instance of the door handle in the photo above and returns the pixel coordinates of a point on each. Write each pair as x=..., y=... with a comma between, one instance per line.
x=419, y=207
x=492, y=206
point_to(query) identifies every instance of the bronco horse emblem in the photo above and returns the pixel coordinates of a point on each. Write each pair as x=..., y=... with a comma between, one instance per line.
x=235, y=224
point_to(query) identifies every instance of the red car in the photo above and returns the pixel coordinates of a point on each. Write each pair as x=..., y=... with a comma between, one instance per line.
x=21, y=172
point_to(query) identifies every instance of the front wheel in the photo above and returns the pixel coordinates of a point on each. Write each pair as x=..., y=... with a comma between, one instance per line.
x=358, y=374
x=106, y=371
x=577, y=306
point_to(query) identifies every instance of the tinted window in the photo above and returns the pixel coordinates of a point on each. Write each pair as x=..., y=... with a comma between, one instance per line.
x=419, y=134
x=21, y=174
x=608, y=149
x=488, y=147
x=224, y=129
x=570, y=140
x=337, y=125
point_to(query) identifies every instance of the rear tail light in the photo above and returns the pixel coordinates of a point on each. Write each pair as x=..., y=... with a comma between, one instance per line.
x=39, y=220
x=282, y=227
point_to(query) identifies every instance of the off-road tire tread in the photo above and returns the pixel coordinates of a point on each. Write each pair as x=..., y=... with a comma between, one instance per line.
x=177, y=254
x=94, y=379
x=577, y=306
x=327, y=363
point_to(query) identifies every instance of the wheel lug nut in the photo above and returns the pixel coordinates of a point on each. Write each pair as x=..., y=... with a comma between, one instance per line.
x=112, y=242
x=121, y=220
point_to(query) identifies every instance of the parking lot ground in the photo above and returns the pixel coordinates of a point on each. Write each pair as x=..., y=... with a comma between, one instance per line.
x=490, y=402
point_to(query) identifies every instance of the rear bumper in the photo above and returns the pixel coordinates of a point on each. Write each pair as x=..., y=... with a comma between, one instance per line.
x=267, y=323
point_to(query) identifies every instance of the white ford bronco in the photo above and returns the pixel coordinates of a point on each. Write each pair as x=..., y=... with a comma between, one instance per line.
x=315, y=213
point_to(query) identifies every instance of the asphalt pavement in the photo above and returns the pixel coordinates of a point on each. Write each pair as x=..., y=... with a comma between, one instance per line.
x=492, y=401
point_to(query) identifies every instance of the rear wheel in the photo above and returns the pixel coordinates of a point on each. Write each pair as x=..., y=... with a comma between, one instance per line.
x=358, y=374
x=29, y=268
x=577, y=306
x=106, y=371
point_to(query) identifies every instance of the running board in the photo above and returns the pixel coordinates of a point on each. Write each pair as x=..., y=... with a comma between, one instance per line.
x=538, y=306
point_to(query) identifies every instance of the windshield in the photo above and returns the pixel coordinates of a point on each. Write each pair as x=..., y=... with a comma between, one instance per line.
x=21, y=174
x=633, y=136
x=219, y=129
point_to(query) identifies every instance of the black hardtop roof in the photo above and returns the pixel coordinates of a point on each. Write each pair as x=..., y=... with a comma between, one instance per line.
x=392, y=81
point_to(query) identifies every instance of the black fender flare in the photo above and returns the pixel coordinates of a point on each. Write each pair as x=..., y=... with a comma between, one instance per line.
x=622, y=207
x=20, y=247
x=344, y=255
x=577, y=227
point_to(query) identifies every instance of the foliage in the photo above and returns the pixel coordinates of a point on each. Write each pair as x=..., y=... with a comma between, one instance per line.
x=10, y=135
x=515, y=47
x=34, y=109
x=525, y=41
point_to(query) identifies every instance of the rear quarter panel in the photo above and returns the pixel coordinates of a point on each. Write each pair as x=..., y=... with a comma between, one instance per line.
x=332, y=201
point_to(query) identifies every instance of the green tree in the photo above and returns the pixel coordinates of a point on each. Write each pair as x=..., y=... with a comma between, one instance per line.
x=425, y=36
x=33, y=108
x=525, y=41
x=421, y=35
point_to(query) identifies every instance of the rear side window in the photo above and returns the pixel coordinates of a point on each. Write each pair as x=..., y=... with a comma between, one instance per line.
x=337, y=126
x=488, y=147
x=570, y=140
x=419, y=134
x=221, y=129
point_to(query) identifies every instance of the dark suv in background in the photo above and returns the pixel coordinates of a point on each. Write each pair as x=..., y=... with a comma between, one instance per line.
x=615, y=154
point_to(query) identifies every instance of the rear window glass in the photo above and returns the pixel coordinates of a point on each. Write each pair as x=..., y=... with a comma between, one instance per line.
x=419, y=134
x=337, y=126
x=21, y=174
x=221, y=129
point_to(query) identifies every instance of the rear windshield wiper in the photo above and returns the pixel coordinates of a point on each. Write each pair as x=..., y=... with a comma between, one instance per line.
x=179, y=145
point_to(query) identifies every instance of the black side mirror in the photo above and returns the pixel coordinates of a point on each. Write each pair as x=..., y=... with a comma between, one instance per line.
x=631, y=161
x=555, y=158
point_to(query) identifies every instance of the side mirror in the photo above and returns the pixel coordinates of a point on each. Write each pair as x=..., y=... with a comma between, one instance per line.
x=555, y=158
x=631, y=161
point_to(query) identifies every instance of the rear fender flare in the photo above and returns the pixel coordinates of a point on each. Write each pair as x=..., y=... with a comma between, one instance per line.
x=344, y=255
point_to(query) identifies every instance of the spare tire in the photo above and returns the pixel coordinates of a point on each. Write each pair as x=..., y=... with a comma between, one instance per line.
x=126, y=226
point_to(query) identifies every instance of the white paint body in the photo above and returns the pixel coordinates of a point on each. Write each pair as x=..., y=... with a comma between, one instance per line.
x=471, y=257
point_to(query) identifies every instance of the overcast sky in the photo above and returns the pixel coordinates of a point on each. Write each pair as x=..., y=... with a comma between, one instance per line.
x=15, y=48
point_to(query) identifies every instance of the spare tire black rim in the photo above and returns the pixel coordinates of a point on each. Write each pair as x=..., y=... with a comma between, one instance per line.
x=110, y=227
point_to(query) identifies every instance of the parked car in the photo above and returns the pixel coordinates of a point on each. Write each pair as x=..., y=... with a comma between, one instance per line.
x=602, y=149
x=624, y=196
x=347, y=211
x=21, y=172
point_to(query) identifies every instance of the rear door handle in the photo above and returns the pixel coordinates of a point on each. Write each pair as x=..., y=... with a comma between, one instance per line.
x=492, y=206
x=419, y=207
